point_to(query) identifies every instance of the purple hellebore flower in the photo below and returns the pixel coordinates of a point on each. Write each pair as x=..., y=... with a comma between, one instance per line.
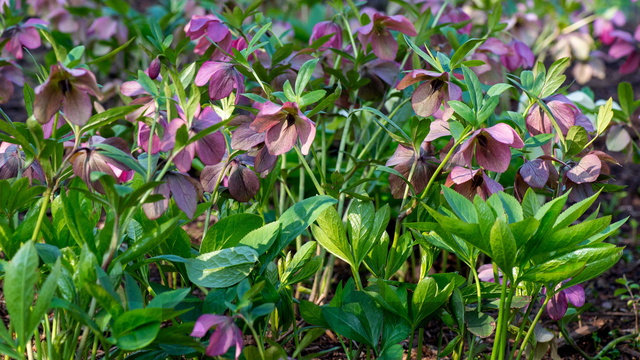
x=283, y=126
x=154, y=68
x=376, y=33
x=210, y=149
x=222, y=77
x=470, y=182
x=226, y=334
x=133, y=88
x=245, y=138
x=10, y=75
x=144, y=131
x=382, y=74
x=559, y=303
x=582, y=175
x=491, y=147
x=485, y=273
x=185, y=190
x=106, y=27
x=521, y=56
x=436, y=90
x=243, y=184
x=625, y=45
x=403, y=159
x=212, y=27
x=12, y=163
x=89, y=158
x=325, y=28
x=67, y=89
x=490, y=46
x=25, y=35
x=563, y=110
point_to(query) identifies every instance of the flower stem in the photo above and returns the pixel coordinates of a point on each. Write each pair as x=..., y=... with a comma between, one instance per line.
x=523, y=346
x=309, y=171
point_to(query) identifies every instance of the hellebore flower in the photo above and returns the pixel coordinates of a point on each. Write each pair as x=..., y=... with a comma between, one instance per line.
x=245, y=138
x=10, y=75
x=376, y=33
x=12, y=163
x=210, y=149
x=212, y=27
x=491, y=71
x=243, y=184
x=283, y=126
x=485, y=273
x=435, y=91
x=66, y=89
x=90, y=158
x=222, y=77
x=536, y=174
x=559, y=303
x=582, y=175
x=226, y=334
x=133, y=88
x=604, y=28
x=106, y=27
x=25, y=35
x=382, y=74
x=564, y=112
x=520, y=57
x=625, y=45
x=144, y=132
x=325, y=28
x=491, y=147
x=185, y=190
x=472, y=182
x=402, y=160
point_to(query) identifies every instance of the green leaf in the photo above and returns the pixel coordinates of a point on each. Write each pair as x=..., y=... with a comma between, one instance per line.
x=229, y=231
x=463, y=110
x=462, y=206
x=346, y=324
x=45, y=295
x=474, y=86
x=530, y=203
x=112, y=53
x=574, y=212
x=403, y=136
x=498, y=89
x=625, y=97
x=119, y=155
x=304, y=75
x=469, y=46
x=598, y=257
x=503, y=246
x=605, y=114
x=136, y=329
x=262, y=238
x=553, y=271
x=577, y=139
x=222, y=268
x=330, y=233
x=312, y=97
x=480, y=324
x=21, y=276
x=107, y=117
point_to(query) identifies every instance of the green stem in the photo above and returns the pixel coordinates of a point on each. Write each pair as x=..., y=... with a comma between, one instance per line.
x=524, y=321
x=478, y=288
x=501, y=323
x=258, y=341
x=41, y=214
x=309, y=171
x=85, y=330
x=420, y=341
x=530, y=332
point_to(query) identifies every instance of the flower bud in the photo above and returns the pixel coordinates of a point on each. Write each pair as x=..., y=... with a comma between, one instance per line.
x=154, y=69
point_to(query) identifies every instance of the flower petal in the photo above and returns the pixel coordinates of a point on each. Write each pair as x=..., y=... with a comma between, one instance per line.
x=384, y=45
x=535, y=173
x=281, y=138
x=155, y=209
x=557, y=306
x=184, y=193
x=427, y=98
x=586, y=171
x=575, y=295
x=211, y=148
x=243, y=184
x=77, y=106
x=206, y=322
x=306, y=130
x=47, y=102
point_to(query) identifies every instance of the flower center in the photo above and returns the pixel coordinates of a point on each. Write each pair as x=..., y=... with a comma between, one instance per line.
x=437, y=84
x=477, y=181
x=291, y=120
x=65, y=86
x=482, y=140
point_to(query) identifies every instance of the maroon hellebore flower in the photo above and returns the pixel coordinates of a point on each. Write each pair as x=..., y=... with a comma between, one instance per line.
x=185, y=190
x=382, y=74
x=564, y=112
x=226, y=335
x=603, y=28
x=210, y=149
x=283, y=126
x=402, y=160
x=222, y=77
x=212, y=27
x=243, y=184
x=559, y=303
x=376, y=33
x=245, y=138
x=435, y=91
x=90, y=158
x=66, y=89
x=325, y=28
x=472, y=182
x=537, y=174
x=520, y=57
x=25, y=35
x=491, y=147
x=587, y=171
x=10, y=75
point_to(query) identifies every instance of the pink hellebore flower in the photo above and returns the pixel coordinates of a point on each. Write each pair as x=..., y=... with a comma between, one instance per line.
x=625, y=45
x=25, y=35
x=68, y=89
x=485, y=273
x=202, y=26
x=491, y=147
x=245, y=138
x=559, y=303
x=10, y=75
x=133, y=88
x=563, y=110
x=472, y=182
x=582, y=175
x=243, y=184
x=402, y=160
x=325, y=28
x=210, y=149
x=520, y=57
x=436, y=90
x=377, y=34
x=89, y=158
x=283, y=126
x=106, y=27
x=226, y=335
x=222, y=77
x=12, y=163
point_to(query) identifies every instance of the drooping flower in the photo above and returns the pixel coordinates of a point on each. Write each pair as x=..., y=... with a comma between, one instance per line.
x=243, y=184
x=382, y=74
x=625, y=45
x=133, y=88
x=470, y=182
x=202, y=27
x=537, y=174
x=564, y=112
x=245, y=138
x=559, y=303
x=377, y=33
x=12, y=163
x=603, y=27
x=154, y=68
x=436, y=90
x=226, y=334
x=107, y=27
x=10, y=75
x=485, y=273
x=210, y=149
x=403, y=160
x=25, y=35
x=185, y=192
x=66, y=89
x=491, y=147
x=144, y=133
x=89, y=158
x=521, y=56
x=325, y=28
x=283, y=126
x=223, y=78
x=582, y=175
